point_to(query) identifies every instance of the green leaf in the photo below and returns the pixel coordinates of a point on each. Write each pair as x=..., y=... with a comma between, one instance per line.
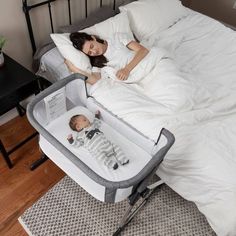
x=2, y=42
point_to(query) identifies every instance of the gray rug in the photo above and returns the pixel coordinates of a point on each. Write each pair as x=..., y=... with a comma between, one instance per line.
x=69, y=210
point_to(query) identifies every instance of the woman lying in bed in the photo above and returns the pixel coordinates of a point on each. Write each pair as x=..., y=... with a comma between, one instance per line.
x=150, y=72
x=120, y=53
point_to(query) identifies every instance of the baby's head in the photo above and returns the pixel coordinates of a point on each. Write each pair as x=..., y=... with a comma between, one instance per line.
x=78, y=122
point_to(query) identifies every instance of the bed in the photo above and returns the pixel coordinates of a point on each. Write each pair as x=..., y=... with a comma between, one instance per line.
x=200, y=111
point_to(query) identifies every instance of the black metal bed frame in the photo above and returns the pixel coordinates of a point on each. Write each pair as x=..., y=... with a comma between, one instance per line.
x=27, y=8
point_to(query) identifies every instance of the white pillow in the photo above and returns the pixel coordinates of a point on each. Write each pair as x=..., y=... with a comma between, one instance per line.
x=148, y=17
x=105, y=30
x=111, y=26
x=67, y=50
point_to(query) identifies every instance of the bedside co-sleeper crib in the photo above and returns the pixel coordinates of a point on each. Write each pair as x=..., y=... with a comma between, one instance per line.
x=130, y=181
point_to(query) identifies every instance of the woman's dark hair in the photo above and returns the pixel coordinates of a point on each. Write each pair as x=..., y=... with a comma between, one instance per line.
x=78, y=39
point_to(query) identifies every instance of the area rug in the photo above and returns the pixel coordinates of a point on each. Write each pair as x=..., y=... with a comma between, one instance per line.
x=69, y=210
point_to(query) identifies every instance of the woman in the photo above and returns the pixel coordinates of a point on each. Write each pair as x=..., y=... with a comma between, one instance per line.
x=120, y=53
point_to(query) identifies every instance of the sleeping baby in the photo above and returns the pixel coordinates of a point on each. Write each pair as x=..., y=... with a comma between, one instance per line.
x=90, y=137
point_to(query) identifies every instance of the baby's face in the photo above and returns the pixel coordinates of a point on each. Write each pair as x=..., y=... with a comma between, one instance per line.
x=82, y=122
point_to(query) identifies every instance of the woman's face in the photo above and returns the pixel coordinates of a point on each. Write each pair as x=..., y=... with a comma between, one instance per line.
x=94, y=48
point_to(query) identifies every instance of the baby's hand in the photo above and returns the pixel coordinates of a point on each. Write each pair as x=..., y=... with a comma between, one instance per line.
x=70, y=138
x=98, y=114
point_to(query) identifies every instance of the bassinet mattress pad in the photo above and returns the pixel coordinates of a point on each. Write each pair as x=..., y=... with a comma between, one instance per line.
x=138, y=158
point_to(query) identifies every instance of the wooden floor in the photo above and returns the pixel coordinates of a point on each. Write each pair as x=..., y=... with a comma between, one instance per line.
x=20, y=187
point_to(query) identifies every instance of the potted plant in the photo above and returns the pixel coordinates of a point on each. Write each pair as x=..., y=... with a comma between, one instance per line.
x=2, y=42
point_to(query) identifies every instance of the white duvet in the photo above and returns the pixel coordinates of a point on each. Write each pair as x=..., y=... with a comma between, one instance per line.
x=193, y=94
x=157, y=77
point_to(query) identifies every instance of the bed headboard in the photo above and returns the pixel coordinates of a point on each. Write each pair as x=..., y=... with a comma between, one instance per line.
x=27, y=7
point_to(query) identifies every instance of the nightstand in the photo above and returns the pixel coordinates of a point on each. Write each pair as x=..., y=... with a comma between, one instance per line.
x=16, y=84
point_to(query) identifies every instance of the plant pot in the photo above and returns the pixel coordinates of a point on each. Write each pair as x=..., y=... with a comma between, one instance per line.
x=1, y=59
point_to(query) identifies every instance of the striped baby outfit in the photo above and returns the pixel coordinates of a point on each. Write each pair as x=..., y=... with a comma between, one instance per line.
x=99, y=146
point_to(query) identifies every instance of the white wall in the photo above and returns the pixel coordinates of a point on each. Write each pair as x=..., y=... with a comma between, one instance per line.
x=13, y=27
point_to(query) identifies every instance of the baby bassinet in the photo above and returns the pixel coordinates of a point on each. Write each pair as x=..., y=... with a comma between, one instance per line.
x=130, y=181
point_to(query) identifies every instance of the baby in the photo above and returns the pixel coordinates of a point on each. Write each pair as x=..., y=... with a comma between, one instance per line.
x=89, y=136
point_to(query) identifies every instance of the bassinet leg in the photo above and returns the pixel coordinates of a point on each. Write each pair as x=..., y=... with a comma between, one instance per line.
x=129, y=214
x=38, y=162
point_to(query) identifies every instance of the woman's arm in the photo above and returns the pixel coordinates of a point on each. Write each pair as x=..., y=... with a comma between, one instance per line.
x=92, y=78
x=141, y=52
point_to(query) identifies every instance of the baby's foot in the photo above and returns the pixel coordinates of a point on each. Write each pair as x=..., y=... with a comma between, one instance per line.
x=115, y=166
x=125, y=162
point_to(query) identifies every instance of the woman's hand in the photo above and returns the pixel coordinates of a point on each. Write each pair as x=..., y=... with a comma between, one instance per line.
x=123, y=74
x=72, y=67
x=98, y=114
x=92, y=78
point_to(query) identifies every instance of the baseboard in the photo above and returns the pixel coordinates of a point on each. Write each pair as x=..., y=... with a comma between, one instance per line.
x=8, y=116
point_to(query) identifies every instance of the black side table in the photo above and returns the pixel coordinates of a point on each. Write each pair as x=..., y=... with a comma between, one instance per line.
x=16, y=84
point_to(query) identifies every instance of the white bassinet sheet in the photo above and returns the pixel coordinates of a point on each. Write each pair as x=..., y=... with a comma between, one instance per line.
x=201, y=166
